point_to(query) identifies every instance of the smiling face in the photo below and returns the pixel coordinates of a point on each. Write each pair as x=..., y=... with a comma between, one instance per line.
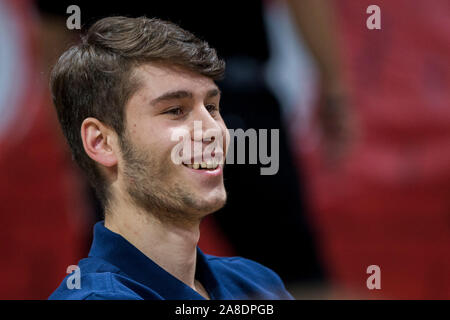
x=170, y=99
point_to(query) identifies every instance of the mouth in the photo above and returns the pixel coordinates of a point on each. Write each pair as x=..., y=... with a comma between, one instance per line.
x=206, y=169
x=209, y=165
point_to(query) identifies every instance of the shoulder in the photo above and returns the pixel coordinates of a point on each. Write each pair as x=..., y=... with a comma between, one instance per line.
x=94, y=286
x=99, y=280
x=244, y=273
x=245, y=267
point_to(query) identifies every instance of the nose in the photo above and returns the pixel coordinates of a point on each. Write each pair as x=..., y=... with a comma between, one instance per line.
x=204, y=126
x=208, y=135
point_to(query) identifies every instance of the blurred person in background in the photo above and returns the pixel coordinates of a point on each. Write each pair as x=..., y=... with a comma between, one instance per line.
x=387, y=204
x=43, y=207
x=305, y=72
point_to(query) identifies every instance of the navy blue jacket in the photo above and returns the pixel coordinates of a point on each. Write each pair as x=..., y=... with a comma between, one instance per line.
x=115, y=269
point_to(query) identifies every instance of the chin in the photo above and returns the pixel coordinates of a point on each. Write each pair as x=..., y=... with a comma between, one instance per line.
x=212, y=204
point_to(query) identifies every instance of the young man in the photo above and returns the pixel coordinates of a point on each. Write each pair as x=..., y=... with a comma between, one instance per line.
x=121, y=96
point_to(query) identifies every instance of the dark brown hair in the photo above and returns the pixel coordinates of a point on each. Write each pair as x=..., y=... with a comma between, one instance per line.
x=94, y=78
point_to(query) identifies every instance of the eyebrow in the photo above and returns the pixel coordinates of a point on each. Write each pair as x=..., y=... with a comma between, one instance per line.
x=213, y=93
x=182, y=94
x=171, y=95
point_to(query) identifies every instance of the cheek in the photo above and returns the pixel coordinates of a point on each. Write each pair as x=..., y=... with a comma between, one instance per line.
x=150, y=133
x=145, y=142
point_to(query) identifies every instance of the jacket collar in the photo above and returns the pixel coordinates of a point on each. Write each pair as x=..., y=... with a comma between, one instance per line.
x=116, y=250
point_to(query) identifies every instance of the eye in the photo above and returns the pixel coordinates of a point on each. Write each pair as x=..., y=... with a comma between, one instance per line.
x=212, y=108
x=176, y=111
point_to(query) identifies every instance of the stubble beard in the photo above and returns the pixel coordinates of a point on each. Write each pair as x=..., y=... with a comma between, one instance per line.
x=147, y=186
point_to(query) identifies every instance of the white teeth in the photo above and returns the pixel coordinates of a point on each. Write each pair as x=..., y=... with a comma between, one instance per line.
x=214, y=164
x=211, y=164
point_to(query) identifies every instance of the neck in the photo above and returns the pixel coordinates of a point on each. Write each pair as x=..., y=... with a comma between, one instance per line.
x=156, y=238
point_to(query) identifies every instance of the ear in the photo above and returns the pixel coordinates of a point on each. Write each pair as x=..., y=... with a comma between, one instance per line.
x=99, y=142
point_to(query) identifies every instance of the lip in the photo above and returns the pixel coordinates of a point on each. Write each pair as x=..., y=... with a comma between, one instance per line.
x=207, y=173
x=218, y=156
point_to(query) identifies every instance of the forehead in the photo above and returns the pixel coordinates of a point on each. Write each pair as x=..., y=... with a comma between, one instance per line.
x=156, y=78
